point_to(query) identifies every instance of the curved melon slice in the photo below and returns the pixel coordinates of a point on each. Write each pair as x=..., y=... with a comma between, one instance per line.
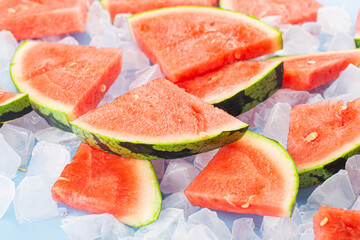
x=309, y=71
x=322, y=136
x=254, y=175
x=125, y=6
x=13, y=105
x=335, y=223
x=38, y=18
x=64, y=81
x=291, y=11
x=188, y=41
x=357, y=31
x=158, y=121
x=100, y=182
x=237, y=87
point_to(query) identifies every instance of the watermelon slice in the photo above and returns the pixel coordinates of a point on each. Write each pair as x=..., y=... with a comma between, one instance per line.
x=64, y=81
x=37, y=18
x=99, y=182
x=158, y=121
x=357, y=31
x=309, y=71
x=321, y=138
x=291, y=11
x=237, y=87
x=125, y=6
x=13, y=105
x=254, y=175
x=335, y=223
x=189, y=41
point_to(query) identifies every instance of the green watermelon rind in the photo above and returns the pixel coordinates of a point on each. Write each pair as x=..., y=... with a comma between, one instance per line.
x=357, y=42
x=263, y=87
x=321, y=171
x=156, y=151
x=14, y=108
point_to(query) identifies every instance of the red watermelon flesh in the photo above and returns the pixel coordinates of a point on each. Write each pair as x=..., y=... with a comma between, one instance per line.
x=125, y=6
x=254, y=175
x=291, y=11
x=321, y=132
x=99, y=182
x=306, y=72
x=335, y=223
x=40, y=18
x=5, y=96
x=209, y=38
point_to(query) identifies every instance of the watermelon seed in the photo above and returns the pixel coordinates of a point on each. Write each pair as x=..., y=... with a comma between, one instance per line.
x=246, y=205
x=72, y=64
x=311, y=62
x=342, y=108
x=136, y=96
x=324, y=222
x=312, y=136
x=179, y=120
x=212, y=41
x=22, y=169
x=237, y=55
x=213, y=78
x=11, y=10
x=62, y=178
x=103, y=88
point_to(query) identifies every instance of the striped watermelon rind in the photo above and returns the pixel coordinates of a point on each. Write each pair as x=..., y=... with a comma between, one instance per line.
x=15, y=107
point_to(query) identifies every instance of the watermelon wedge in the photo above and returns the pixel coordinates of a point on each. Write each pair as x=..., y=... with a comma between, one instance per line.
x=322, y=136
x=309, y=71
x=357, y=31
x=124, y=6
x=158, y=121
x=254, y=175
x=99, y=182
x=189, y=41
x=237, y=87
x=64, y=81
x=13, y=105
x=335, y=223
x=37, y=18
x=290, y=11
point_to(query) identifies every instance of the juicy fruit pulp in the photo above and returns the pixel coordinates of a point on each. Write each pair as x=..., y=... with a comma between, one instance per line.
x=64, y=81
x=254, y=175
x=100, y=182
x=158, y=121
x=321, y=138
x=189, y=41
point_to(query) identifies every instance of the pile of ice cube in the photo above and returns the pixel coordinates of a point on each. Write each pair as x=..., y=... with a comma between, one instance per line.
x=49, y=149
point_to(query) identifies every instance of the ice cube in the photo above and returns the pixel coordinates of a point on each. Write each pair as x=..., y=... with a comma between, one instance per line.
x=181, y=230
x=54, y=135
x=9, y=160
x=178, y=175
x=7, y=190
x=341, y=41
x=356, y=205
x=210, y=219
x=243, y=229
x=31, y=121
x=277, y=125
x=336, y=191
x=312, y=27
x=20, y=139
x=272, y=20
x=119, y=87
x=5, y=81
x=296, y=40
x=334, y=19
x=133, y=57
x=308, y=234
x=33, y=201
x=353, y=169
x=159, y=167
x=179, y=200
x=307, y=212
x=291, y=97
x=98, y=20
x=281, y=228
x=106, y=39
x=104, y=226
x=164, y=227
x=202, y=159
x=53, y=38
x=201, y=231
x=48, y=160
x=145, y=75
x=8, y=45
x=69, y=40
x=121, y=22
x=347, y=83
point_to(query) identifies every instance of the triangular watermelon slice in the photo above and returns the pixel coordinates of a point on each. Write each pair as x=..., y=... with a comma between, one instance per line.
x=40, y=18
x=237, y=87
x=254, y=175
x=99, y=182
x=64, y=81
x=309, y=71
x=158, y=121
x=188, y=41
x=357, y=31
x=125, y=6
x=335, y=223
x=322, y=136
x=13, y=105
x=290, y=11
